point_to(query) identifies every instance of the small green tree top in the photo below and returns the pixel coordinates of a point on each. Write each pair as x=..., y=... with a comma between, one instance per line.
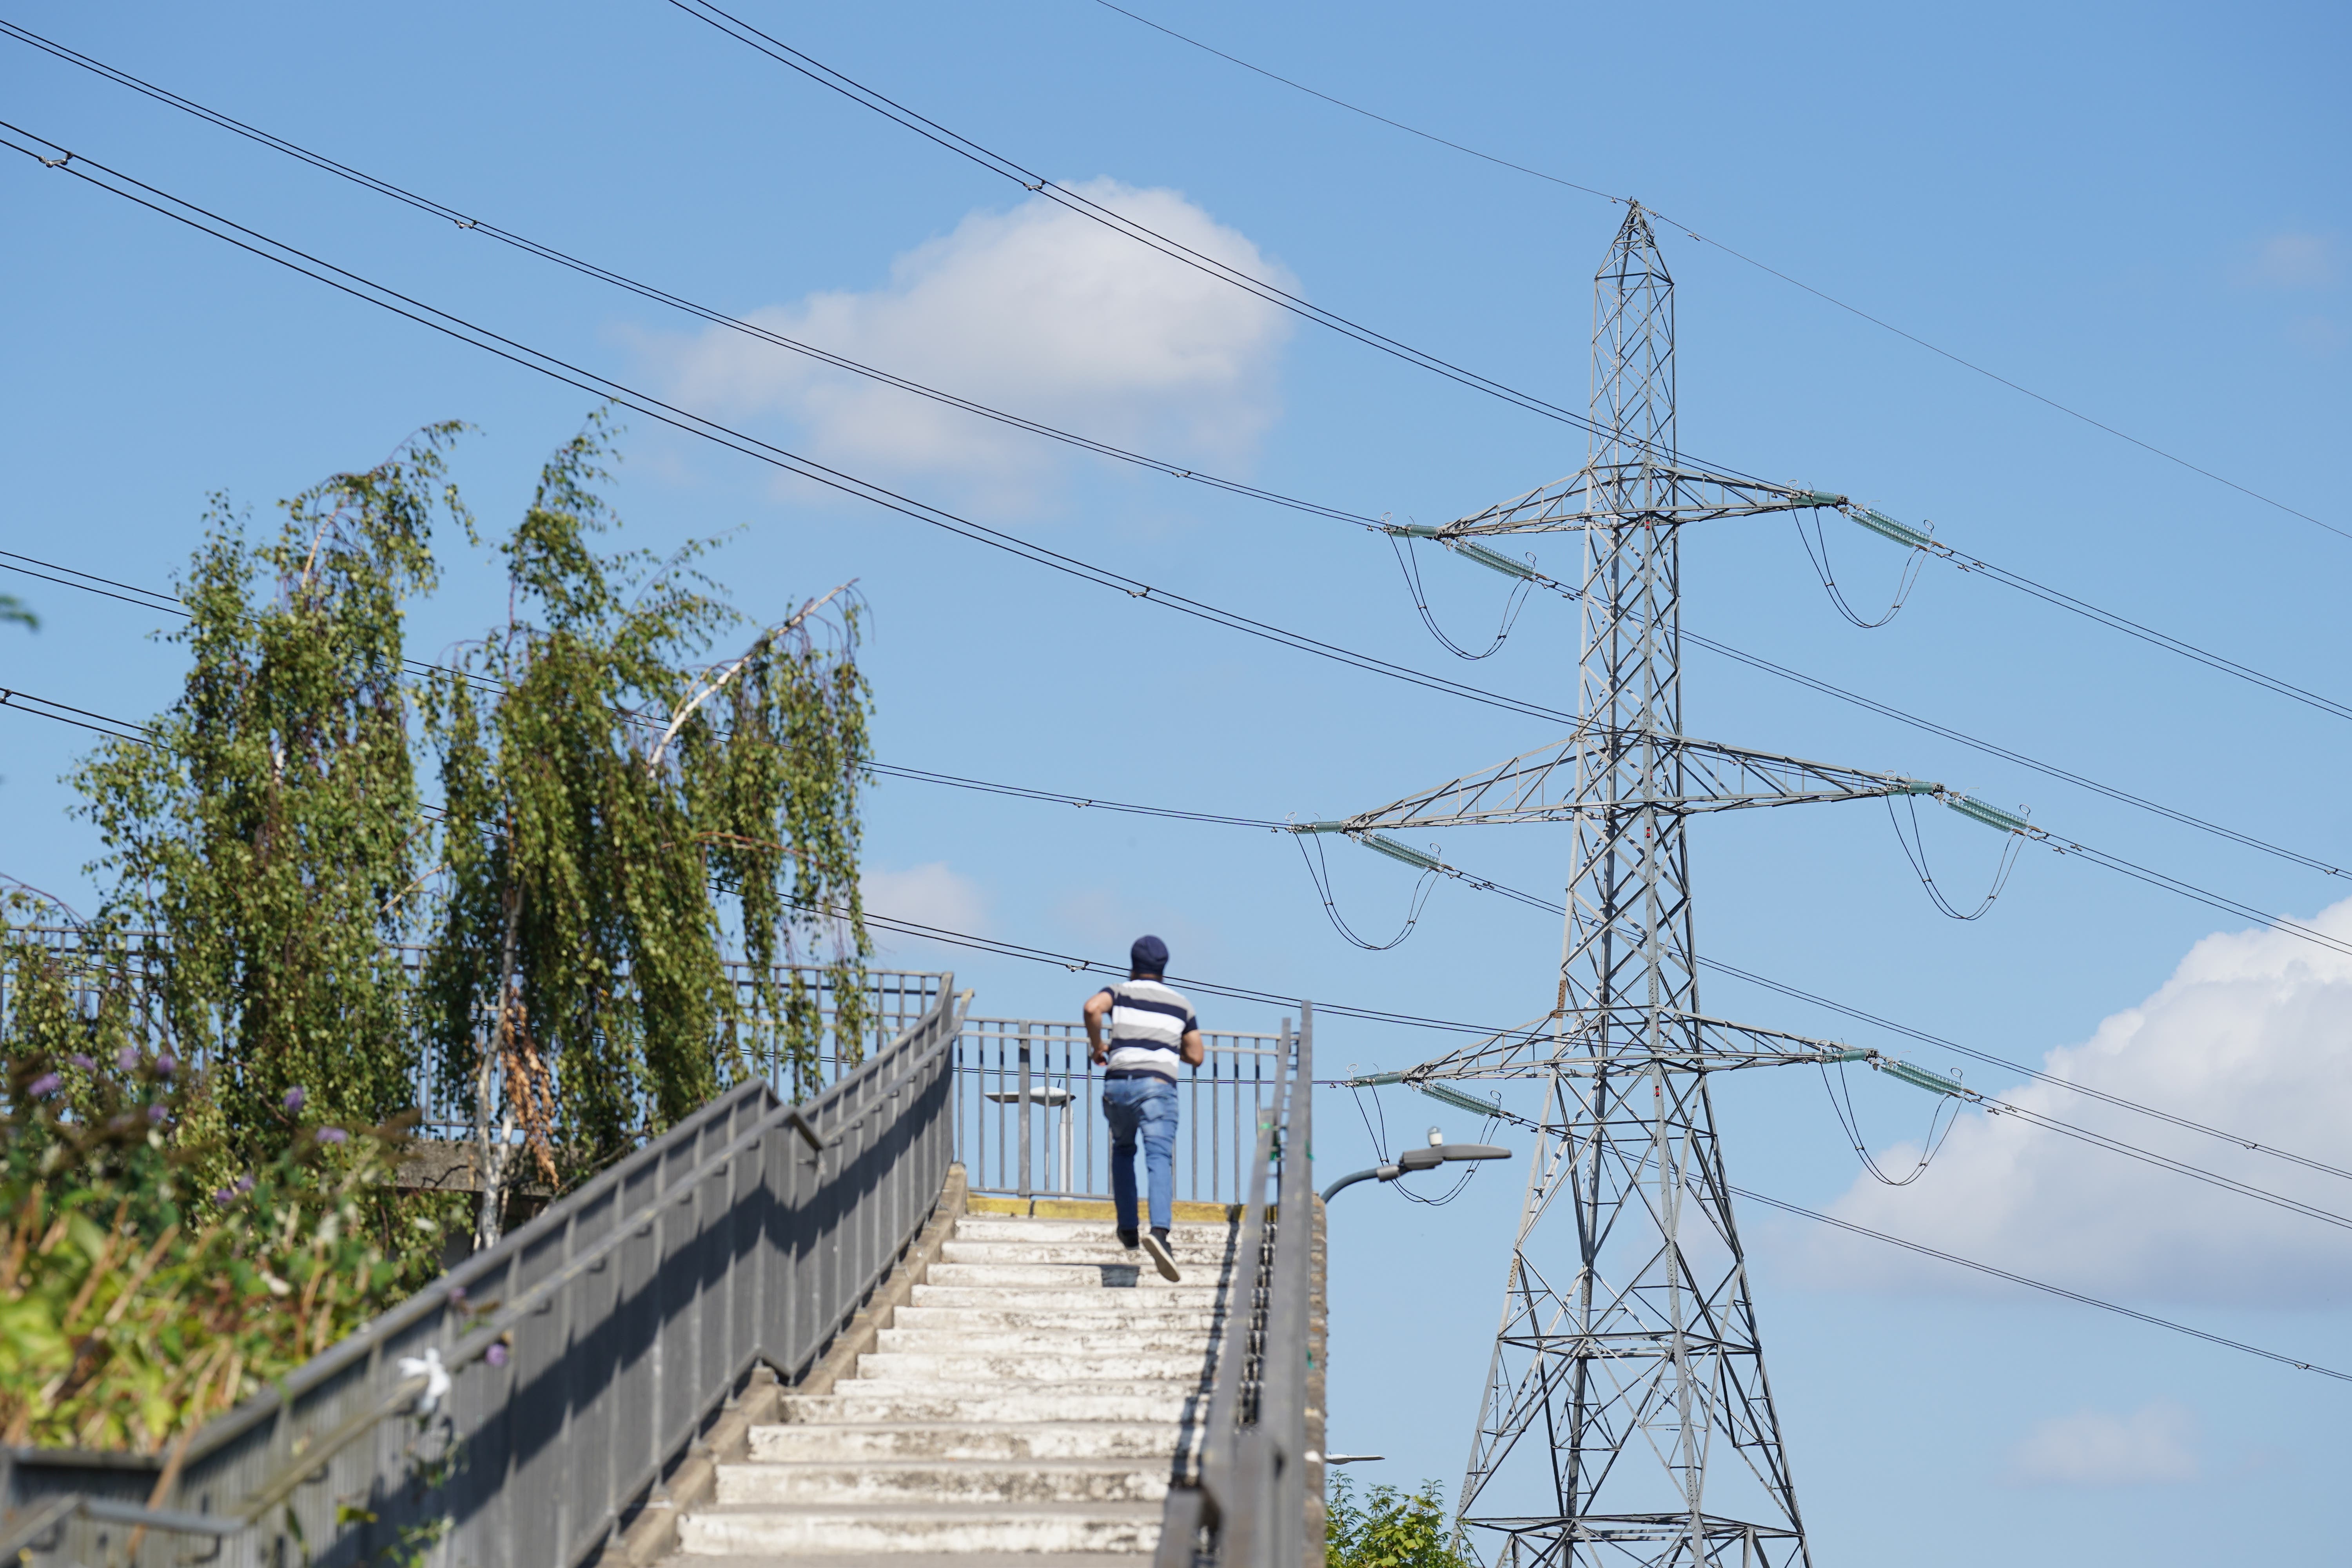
x=1389, y=1528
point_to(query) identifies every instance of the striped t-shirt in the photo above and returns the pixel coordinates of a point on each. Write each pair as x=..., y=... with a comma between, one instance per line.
x=1147, y=1022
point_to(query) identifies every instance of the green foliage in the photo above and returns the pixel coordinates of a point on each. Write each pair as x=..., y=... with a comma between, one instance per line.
x=1389, y=1528
x=241, y=1004
x=12, y=609
x=576, y=978
x=271, y=834
x=132, y=1307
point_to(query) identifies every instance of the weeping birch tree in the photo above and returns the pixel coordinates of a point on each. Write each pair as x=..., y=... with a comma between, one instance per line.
x=619, y=806
x=269, y=830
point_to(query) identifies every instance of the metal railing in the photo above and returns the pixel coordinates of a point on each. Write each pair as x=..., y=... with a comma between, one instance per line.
x=1028, y=1112
x=516, y=1412
x=1253, y=1506
x=894, y=1000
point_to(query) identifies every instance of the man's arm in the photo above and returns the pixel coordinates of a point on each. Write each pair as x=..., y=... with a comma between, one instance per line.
x=1096, y=1006
x=1192, y=1050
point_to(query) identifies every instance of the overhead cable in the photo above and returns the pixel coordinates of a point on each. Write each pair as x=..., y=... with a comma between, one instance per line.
x=716, y=317
x=345, y=281
x=1737, y=256
x=142, y=734
x=139, y=735
x=149, y=598
x=1953, y=1257
x=469, y=224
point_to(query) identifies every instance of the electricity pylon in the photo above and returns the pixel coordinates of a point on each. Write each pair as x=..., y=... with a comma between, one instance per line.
x=1627, y=1417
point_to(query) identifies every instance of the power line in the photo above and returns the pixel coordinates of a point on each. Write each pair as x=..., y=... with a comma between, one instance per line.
x=453, y=326
x=646, y=291
x=2014, y=1278
x=1738, y=256
x=815, y=70
x=1996, y=1106
x=141, y=734
x=1938, y=1252
x=1957, y=559
x=152, y=599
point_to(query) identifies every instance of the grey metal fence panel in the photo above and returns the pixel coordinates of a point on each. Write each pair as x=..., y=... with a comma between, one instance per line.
x=894, y=1001
x=1028, y=1117
x=585, y=1351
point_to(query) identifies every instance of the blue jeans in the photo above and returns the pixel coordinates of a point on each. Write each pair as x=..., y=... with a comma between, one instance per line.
x=1147, y=1106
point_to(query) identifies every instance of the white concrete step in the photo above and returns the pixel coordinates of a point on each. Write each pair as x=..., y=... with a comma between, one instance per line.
x=838, y=1441
x=1144, y=1336
x=1066, y=1276
x=941, y=1481
x=994, y=1225
x=1122, y=1317
x=863, y=1402
x=1198, y=1295
x=1033, y=1367
x=1187, y=1254
x=889, y=1529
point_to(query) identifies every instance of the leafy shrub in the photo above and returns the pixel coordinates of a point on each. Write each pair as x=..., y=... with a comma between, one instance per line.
x=134, y=1306
x=1389, y=1528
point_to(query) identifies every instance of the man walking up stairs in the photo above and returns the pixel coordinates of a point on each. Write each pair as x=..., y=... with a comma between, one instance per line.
x=1037, y=1397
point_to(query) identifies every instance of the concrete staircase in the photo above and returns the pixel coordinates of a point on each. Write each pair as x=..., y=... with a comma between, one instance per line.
x=1035, y=1397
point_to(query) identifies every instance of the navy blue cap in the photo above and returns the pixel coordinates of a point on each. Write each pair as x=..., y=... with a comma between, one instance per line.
x=1147, y=956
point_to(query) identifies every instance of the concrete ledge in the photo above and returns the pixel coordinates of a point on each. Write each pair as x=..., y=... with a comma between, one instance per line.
x=654, y=1533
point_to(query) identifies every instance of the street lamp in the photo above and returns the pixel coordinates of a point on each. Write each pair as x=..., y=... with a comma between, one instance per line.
x=1439, y=1152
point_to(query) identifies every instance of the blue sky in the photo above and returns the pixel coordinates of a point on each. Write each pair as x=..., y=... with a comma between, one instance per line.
x=2133, y=211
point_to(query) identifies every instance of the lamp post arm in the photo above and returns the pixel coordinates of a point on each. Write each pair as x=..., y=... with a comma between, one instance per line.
x=1376, y=1174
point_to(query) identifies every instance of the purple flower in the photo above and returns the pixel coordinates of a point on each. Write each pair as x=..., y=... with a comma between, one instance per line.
x=294, y=1097
x=164, y=1065
x=332, y=1135
x=83, y=1062
x=156, y=1114
x=225, y=1197
x=457, y=1295
x=244, y=1183
x=48, y=1084
x=496, y=1355
x=127, y=1059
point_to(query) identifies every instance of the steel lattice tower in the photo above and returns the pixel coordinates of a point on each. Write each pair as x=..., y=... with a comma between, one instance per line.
x=1627, y=1417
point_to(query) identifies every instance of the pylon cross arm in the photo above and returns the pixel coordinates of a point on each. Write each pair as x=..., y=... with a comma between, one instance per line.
x=1582, y=1042
x=1570, y=779
x=1594, y=495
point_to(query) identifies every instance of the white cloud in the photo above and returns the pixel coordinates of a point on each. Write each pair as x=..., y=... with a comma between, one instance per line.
x=931, y=894
x=1038, y=311
x=2154, y=1444
x=2253, y=1034
x=2295, y=261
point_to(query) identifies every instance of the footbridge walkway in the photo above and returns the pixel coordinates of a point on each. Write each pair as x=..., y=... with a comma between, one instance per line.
x=888, y=1322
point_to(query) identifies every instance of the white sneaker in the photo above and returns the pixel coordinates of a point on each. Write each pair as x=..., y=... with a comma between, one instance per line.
x=1161, y=1257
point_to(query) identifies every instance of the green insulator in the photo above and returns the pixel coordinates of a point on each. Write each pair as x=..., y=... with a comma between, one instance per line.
x=1411, y=530
x=1919, y=1078
x=1853, y=1054
x=1820, y=498
x=1991, y=815
x=1494, y=562
x=1456, y=1099
x=1397, y=851
x=1880, y=523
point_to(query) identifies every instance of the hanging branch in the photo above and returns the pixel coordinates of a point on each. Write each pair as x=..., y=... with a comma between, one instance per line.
x=719, y=675
x=580, y=996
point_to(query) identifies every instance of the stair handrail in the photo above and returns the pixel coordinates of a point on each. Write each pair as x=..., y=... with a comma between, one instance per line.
x=1250, y=1505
